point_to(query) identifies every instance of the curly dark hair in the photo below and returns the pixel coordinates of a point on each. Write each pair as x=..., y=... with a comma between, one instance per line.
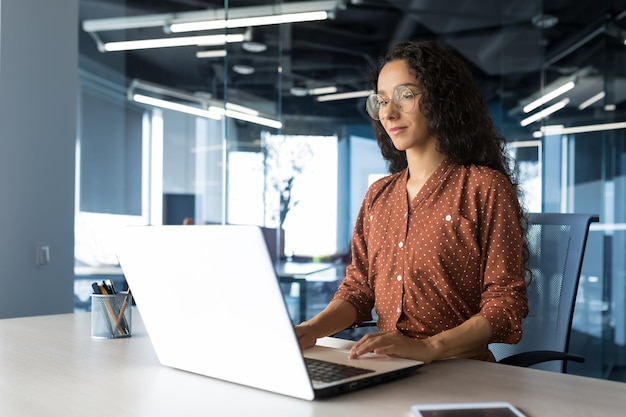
x=457, y=115
x=456, y=112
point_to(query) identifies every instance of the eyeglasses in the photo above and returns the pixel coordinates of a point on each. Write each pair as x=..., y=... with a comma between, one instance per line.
x=403, y=99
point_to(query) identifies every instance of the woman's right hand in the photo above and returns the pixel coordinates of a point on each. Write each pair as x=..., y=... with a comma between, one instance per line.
x=307, y=335
x=337, y=315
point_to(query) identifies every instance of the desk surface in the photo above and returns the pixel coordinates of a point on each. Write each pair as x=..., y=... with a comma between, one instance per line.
x=50, y=366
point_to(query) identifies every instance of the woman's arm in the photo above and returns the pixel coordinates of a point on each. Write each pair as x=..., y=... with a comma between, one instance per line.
x=466, y=340
x=337, y=316
x=503, y=302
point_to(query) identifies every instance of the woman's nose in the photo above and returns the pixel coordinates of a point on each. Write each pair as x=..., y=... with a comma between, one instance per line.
x=390, y=111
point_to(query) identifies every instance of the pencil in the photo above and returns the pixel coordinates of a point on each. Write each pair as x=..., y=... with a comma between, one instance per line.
x=120, y=316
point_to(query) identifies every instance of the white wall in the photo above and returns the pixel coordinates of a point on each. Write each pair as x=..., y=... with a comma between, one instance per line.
x=38, y=88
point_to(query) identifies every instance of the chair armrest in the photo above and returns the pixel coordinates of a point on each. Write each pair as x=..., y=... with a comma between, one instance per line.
x=526, y=359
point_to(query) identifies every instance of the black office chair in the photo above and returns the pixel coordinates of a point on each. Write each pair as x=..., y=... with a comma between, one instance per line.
x=557, y=246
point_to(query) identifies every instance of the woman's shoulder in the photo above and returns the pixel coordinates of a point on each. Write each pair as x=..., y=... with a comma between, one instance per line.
x=384, y=182
x=481, y=173
x=382, y=185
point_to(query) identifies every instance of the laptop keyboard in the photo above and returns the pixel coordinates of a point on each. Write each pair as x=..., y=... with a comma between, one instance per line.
x=329, y=372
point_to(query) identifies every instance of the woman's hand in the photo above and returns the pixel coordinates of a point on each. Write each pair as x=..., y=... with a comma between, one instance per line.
x=337, y=315
x=468, y=340
x=307, y=335
x=394, y=344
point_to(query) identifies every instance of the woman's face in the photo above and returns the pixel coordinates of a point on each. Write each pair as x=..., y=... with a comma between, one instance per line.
x=400, y=115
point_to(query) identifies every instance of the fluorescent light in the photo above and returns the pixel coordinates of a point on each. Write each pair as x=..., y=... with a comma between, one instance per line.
x=296, y=11
x=303, y=91
x=170, y=105
x=246, y=117
x=248, y=21
x=591, y=100
x=242, y=109
x=549, y=96
x=545, y=112
x=269, y=14
x=561, y=130
x=322, y=90
x=343, y=96
x=208, y=40
x=216, y=109
x=219, y=53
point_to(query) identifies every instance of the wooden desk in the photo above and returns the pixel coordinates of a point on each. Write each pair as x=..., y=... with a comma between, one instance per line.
x=50, y=366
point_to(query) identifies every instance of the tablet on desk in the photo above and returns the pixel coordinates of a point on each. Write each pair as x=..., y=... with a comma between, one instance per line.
x=484, y=409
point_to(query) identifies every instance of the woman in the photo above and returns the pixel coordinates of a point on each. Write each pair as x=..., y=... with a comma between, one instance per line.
x=438, y=246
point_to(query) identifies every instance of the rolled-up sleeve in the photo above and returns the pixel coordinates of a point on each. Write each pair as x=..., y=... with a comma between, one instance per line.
x=355, y=287
x=503, y=302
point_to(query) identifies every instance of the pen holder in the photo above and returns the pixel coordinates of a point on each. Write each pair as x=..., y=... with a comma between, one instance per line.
x=111, y=315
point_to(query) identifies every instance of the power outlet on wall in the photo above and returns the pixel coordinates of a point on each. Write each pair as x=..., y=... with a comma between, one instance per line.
x=42, y=255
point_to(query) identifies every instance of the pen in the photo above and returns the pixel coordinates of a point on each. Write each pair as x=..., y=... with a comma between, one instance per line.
x=97, y=289
x=120, y=316
x=107, y=304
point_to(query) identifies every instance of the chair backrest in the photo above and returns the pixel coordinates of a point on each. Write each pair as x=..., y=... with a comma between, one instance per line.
x=557, y=245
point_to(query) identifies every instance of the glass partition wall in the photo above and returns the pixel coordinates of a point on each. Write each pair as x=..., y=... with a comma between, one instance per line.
x=573, y=158
x=267, y=143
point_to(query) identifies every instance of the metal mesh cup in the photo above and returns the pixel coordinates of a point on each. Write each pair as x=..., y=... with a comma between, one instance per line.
x=111, y=315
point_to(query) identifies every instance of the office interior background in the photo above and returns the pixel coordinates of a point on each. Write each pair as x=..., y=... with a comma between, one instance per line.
x=255, y=130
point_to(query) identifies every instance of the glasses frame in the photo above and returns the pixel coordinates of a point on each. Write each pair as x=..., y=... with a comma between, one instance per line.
x=373, y=110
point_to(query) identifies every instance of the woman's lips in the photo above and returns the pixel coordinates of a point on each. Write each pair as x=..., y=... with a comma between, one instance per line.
x=396, y=130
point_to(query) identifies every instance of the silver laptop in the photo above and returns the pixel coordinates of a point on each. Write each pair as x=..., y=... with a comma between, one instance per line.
x=212, y=305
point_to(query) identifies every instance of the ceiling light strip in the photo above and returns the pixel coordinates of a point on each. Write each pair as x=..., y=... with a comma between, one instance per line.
x=208, y=40
x=246, y=117
x=170, y=105
x=241, y=109
x=322, y=90
x=591, y=100
x=248, y=21
x=545, y=112
x=549, y=96
x=217, y=109
x=561, y=130
x=264, y=121
x=167, y=19
x=344, y=96
x=220, y=53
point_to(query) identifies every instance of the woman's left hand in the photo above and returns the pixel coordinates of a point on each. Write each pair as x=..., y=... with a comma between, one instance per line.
x=394, y=344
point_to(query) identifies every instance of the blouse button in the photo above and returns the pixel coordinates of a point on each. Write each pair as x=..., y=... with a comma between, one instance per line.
x=448, y=218
x=399, y=277
x=401, y=244
x=399, y=310
x=371, y=217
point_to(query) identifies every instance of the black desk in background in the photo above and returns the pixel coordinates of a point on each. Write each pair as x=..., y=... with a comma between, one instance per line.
x=303, y=273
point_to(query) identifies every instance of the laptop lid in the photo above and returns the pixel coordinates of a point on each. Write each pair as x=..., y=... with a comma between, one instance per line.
x=211, y=303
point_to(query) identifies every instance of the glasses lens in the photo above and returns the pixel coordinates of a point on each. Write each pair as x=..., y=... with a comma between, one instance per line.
x=403, y=98
x=372, y=105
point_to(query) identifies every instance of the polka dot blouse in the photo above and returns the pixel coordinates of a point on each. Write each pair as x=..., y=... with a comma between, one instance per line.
x=454, y=252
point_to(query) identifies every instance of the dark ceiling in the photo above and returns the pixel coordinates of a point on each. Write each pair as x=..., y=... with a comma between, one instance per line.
x=503, y=42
